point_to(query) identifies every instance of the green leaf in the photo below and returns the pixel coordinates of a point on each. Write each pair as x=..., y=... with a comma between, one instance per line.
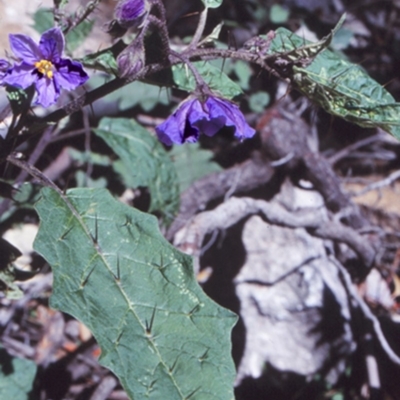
x=9, y=288
x=24, y=197
x=244, y=72
x=213, y=37
x=217, y=80
x=340, y=87
x=76, y=37
x=259, y=101
x=83, y=180
x=135, y=94
x=146, y=162
x=212, y=3
x=104, y=60
x=114, y=271
x=342, y=39
x=16, y=376
x=278, y=14
x=9, y=253
x=192, y=163
x=83, y=157
x=43, y=19
x=147, y=96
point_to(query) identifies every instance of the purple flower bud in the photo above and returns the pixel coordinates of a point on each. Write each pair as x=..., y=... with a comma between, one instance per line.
x=193, y=118
x=132, y=59
x=130, y=13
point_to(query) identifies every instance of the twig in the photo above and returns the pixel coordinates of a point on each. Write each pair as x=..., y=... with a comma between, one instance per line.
x=81, y=16
x=282, y=161
x=208, y=245
x=234, y=185
x=68, y=135
x=86, y=124
x=367, y=313
x=34, y=172
x=200, y=29
x=104, y=389
x=354, y=146
x=379, y=184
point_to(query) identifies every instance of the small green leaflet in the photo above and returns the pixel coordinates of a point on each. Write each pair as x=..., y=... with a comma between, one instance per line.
x=105, y=60
x=343, y=89
x=16, y=377
x=217, y=80
x=212, y=3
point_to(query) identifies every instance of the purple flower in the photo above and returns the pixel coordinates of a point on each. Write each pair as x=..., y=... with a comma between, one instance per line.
x=193, y=118
x=43, y=66
x=129, y=13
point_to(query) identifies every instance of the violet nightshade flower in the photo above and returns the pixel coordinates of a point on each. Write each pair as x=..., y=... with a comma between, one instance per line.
x=129, y=13
x=43, y=66
x=193, y=118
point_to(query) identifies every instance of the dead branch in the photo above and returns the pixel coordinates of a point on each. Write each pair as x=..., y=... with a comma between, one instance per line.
x=282, y=136
x=252, y=174
x=190, y=238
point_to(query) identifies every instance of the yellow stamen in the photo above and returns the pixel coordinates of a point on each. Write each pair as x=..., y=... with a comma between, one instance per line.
x=45, y=67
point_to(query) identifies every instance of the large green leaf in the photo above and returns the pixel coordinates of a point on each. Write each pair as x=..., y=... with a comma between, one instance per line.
x=214, y=77
x=113, y=270
x=340, y=87
x=146, y=163
x=16, y=377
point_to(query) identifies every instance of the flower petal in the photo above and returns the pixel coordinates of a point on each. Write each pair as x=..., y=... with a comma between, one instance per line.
x=219, y=108
x=25, y=48
x=70, y=74
x=4, y=65
x=52, y=45
x=47, y=92
x=4, y=68
x=179, y=128
x=21, y=75
x=211, y=127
